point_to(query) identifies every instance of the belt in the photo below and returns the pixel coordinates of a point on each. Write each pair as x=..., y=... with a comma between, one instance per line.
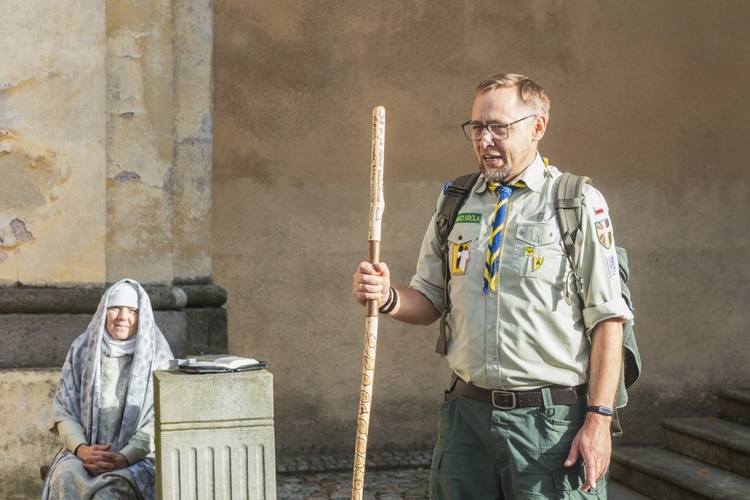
x=508, y=400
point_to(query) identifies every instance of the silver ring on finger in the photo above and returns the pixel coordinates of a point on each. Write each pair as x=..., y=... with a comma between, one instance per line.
x=361, y=287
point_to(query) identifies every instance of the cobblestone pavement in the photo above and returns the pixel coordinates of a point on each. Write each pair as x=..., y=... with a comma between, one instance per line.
x=390, y=484
x=389, y=476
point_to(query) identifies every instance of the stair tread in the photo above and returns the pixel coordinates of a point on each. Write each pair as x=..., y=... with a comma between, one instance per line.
x=617, y=491
x=704, y=479
x=740, y=395
x=714, y=430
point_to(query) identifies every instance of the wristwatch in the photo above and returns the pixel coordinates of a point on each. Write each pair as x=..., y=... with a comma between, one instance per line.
x=601, y=410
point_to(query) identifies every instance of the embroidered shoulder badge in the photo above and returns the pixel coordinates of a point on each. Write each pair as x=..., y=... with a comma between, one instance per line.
x=604, y=233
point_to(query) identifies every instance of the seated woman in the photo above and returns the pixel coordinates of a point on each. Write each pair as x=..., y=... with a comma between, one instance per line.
x=104, y=404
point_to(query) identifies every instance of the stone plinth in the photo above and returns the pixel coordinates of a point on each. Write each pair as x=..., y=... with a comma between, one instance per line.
x=214, y=435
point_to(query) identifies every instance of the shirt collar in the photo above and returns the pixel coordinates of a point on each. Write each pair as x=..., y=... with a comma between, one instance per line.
x=534, y=174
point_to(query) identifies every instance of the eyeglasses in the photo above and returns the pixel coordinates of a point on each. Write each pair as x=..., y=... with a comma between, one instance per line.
x=475, y=130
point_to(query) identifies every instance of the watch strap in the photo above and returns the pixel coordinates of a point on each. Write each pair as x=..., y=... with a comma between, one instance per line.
x=601, y=410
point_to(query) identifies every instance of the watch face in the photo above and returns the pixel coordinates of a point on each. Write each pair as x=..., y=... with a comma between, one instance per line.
x=602, y=410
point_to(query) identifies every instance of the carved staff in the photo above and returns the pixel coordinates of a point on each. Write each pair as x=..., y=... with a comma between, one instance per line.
x=377, y=205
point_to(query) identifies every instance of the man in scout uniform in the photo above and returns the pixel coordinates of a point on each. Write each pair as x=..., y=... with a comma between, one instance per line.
x=535, y=351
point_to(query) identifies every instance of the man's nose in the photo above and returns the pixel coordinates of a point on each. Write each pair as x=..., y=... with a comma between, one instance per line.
x=486, y=139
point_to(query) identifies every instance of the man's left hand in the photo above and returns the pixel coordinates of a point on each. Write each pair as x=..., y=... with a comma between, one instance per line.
x=593, y=443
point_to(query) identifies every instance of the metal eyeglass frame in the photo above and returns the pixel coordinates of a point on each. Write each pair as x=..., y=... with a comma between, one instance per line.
x=490, y=128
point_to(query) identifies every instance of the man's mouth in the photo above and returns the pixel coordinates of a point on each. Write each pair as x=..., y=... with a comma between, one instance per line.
x=491, y=159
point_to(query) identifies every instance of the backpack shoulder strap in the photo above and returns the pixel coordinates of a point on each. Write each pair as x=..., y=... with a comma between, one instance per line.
x=455, y=196
x=568, y=206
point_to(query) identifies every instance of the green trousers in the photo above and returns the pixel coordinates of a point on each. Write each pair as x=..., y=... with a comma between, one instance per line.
x=485, y=453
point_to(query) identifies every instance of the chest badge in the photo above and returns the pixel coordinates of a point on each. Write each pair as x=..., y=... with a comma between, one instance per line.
x=536, y=263
x=536, y=260
x=460, y=256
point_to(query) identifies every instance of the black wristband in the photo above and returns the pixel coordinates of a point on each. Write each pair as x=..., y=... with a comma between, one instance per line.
x=390, y=304
x=388, y=301
x=601, y=410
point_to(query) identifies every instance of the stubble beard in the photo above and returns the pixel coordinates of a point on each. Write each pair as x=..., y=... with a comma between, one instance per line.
x=499, y=175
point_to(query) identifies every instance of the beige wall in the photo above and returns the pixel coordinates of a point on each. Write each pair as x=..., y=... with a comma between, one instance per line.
x=52, y=142
x=105, y=141
x=647, y=98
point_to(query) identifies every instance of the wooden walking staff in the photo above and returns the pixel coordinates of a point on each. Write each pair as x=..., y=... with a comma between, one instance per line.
x=377, y=205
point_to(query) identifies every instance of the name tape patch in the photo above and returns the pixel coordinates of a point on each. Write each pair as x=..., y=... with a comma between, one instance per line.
x=469, y=218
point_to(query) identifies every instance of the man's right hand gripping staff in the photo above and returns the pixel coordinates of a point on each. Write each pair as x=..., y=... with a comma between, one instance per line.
x=373, y=282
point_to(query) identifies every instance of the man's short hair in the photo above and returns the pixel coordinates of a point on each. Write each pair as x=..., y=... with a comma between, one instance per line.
x=531, y=94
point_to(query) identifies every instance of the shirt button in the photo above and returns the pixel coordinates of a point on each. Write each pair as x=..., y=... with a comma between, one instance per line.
x=492, y=360
x=492, y=295
x=492, y=328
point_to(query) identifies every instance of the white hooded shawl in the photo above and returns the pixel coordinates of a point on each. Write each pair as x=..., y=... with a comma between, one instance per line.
x=77, y=395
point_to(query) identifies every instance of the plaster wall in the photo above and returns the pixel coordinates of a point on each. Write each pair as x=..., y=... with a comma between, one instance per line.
x=52, y=142
x=27, y=444
x=647, y=98
x=105, y=141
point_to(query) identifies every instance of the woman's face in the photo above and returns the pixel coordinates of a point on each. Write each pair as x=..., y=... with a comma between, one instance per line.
x=122, y=322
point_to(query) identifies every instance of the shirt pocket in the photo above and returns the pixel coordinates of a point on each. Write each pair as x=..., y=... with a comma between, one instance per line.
x=537, y=251
x=463, y=249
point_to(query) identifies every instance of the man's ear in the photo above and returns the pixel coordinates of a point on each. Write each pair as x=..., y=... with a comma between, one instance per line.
x=540, y=126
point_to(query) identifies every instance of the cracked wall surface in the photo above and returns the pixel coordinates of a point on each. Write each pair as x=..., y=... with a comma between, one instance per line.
x=105, y=141
x=52, y=146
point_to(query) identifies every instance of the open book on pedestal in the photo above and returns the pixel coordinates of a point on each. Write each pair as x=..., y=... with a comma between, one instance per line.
x=221, y=364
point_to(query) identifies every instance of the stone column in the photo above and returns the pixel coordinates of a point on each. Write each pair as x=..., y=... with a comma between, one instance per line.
x=105, y=156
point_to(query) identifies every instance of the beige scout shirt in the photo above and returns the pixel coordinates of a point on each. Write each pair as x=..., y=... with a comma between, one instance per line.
x=527, y=335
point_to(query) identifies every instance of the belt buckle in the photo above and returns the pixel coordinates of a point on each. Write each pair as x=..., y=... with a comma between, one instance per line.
x=501, y=407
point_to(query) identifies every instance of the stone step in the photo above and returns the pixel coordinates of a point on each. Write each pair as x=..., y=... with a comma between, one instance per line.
x=734, y=405
x=665, y=475
x=711, y=440
x=617, y=491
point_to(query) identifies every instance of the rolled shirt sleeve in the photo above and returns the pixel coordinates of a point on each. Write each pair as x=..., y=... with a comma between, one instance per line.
x=598, y=265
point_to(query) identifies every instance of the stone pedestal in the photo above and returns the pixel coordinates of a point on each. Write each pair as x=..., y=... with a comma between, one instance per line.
x=214, y=435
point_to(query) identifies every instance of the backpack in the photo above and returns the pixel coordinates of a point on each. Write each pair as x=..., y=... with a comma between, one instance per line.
x=568, y=207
